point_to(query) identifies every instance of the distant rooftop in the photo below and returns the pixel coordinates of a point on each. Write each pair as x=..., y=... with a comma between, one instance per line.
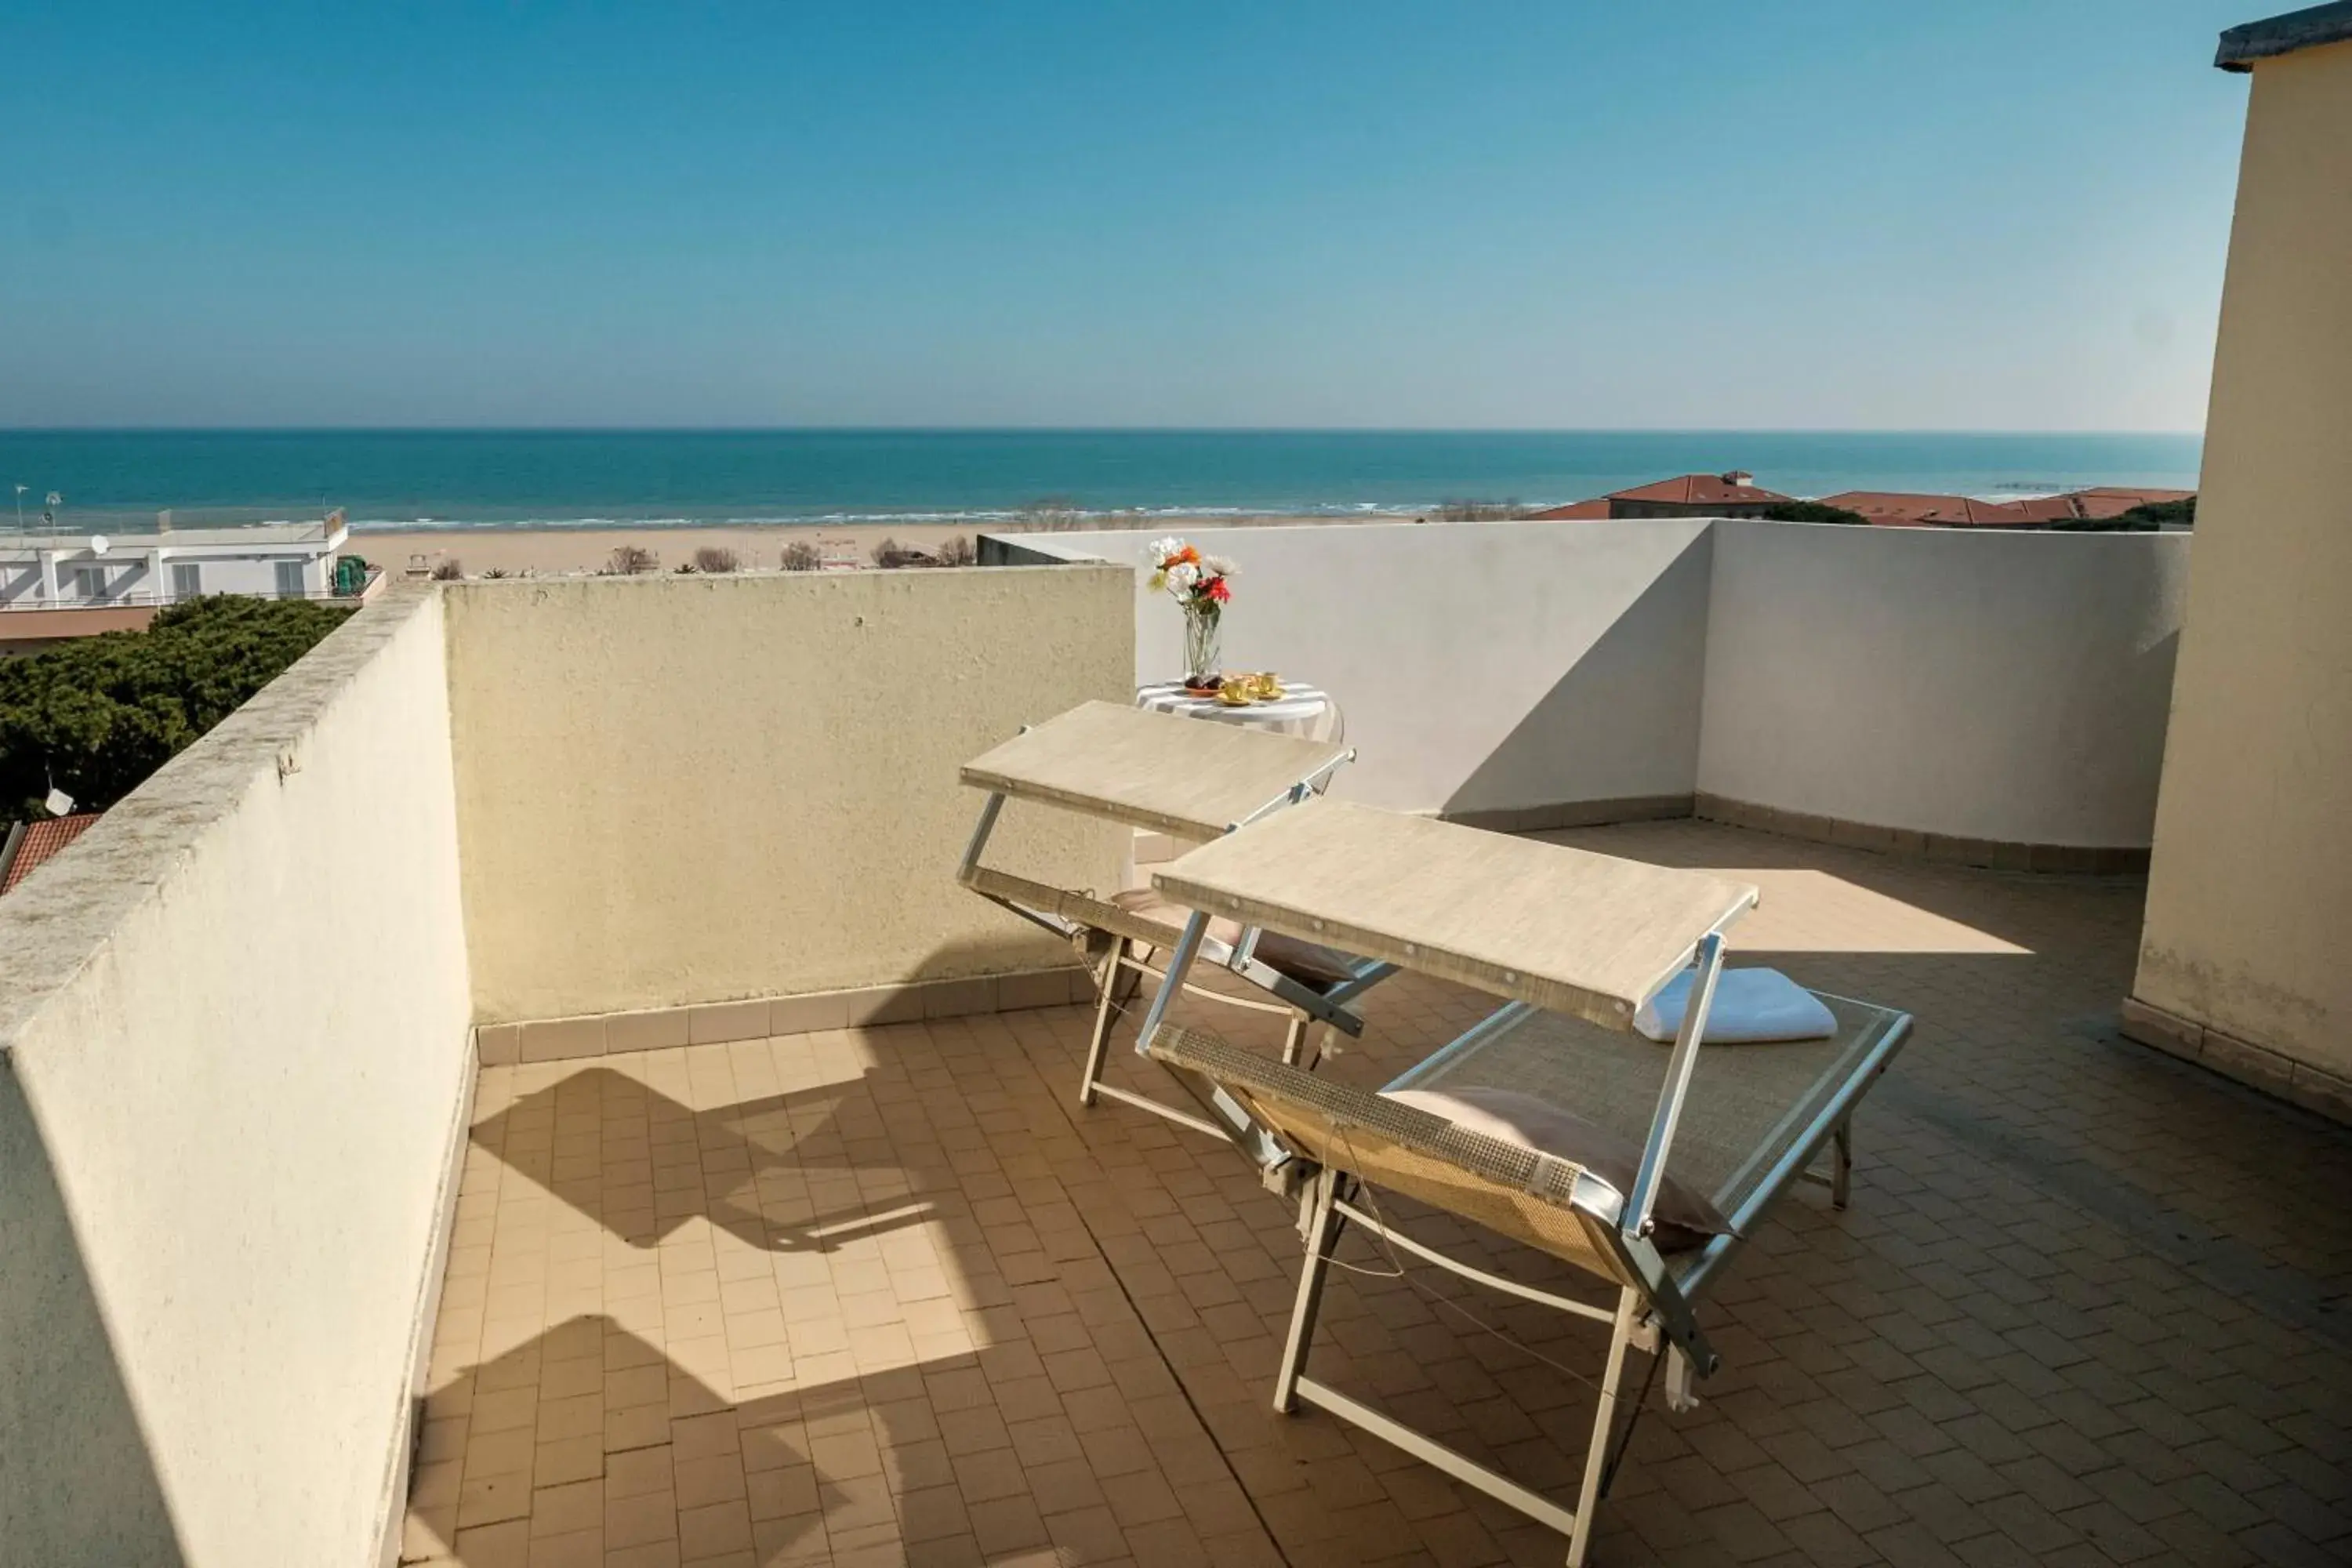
x=143, y=533
x=24, y=851
x=2093, y=505
x=1733, y=487
x=1737, y=487
x=2284, y=34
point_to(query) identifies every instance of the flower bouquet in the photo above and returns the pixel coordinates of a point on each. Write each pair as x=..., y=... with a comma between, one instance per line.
x=1200, y=584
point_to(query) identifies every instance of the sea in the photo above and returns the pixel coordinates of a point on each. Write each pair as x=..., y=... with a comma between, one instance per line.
x=586, y=479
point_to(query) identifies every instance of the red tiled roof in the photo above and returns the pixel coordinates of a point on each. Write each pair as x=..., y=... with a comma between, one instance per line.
x=1949, y=512
x=1699, y=489
x=1893, y=508
x=2113, y=501
x=2041, y=509
x=41, y=840
x=1897, y=507
x=1903, y=506
x=1683, y=489
x=1581, y=511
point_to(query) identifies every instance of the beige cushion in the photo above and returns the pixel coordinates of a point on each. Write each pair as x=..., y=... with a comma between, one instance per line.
x=1304, y=962
x=1685, y=1219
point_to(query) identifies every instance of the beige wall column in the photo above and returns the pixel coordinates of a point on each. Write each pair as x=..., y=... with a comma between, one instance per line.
x=2243, y=961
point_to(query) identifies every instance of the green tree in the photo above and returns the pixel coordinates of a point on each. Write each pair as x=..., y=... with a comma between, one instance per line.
x=1810, y=511
x=96, y=716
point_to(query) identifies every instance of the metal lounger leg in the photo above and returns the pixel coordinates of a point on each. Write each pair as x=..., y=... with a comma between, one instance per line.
x=1707, y=967
x=1293, y=1039
x=1604, y=1422
x=1842, y=1167
x=1105, y=1010
x=1323, y=1225
x=1225, y=1113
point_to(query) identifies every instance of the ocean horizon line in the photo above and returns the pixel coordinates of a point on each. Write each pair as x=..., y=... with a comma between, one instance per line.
x=1864, y=431
x=585, y=477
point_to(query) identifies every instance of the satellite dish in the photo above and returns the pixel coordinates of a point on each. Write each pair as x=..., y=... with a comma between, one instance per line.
x=59, y=803
x=97, y=544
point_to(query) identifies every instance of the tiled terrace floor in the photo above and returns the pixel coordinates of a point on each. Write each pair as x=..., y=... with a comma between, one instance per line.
x=889, y=1295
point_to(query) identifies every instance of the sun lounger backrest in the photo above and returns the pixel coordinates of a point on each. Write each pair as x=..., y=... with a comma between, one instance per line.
x=1561, y=929
x=1506, y=1187
x=1188, y=777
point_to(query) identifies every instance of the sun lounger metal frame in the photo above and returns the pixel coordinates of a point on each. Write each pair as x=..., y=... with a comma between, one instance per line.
x=1302, y=1133
x=1290, y=771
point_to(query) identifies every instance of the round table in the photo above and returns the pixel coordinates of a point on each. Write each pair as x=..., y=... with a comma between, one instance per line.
x=1302, y=709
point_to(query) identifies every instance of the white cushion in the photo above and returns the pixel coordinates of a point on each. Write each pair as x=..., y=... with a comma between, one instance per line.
x=1750, y=1004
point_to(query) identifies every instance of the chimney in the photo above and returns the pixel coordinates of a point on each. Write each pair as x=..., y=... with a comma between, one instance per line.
x=163, y=520
x=1738, y=476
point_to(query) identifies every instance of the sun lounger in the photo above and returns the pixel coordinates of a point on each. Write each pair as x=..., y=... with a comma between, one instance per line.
x=1193, y=781
x=1661, y=1161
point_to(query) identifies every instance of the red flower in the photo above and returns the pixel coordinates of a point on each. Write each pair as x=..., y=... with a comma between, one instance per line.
x=1217, y=590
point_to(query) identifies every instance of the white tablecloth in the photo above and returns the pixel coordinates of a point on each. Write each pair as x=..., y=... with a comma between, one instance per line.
x=1301, y=709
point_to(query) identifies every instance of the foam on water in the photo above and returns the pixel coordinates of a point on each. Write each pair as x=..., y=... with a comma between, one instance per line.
x=453, y=481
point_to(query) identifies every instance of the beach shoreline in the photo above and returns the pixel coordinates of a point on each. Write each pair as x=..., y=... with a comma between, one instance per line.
x=570, y=551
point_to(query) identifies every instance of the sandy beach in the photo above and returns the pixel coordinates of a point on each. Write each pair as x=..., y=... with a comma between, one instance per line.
x=567, y=552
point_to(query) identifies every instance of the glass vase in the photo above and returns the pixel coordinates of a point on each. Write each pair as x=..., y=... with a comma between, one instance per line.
x=1201, y=625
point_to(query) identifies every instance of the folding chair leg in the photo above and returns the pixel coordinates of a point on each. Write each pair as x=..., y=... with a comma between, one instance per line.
x=1105, y=1010
x=1842, y=1167
x=1604, y=1424
x=1293, y=1039
x=1323, y=1223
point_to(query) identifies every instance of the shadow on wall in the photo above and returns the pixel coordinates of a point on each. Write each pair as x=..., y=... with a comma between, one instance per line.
x=1621, y=726
x=60, y=1385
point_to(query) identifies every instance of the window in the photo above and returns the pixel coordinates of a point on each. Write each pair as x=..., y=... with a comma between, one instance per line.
x=289, y=580
x=89, y=582
x=188, y=579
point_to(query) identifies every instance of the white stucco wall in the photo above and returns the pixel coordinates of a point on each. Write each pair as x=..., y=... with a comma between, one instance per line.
x=2004, y=687
x=687, y=790
x=233, y=1059
x=140, y=570
x=1482, y=667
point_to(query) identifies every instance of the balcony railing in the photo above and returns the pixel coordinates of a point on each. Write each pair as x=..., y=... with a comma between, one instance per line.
x=153, y=601
x=77, y=524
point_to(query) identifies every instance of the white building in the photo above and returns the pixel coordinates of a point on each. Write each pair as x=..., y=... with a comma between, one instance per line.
x=54, y=585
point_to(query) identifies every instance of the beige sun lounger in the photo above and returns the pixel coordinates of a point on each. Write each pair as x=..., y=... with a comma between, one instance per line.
x=1573, y=944
x=1191, y=780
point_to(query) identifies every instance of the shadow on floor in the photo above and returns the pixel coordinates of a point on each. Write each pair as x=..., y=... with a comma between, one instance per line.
x=778, y=1173
x=590, y=1434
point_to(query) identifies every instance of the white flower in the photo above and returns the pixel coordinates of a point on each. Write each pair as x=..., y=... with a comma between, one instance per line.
x=1160, y=550
x=1219, y=567
x=1181, y=576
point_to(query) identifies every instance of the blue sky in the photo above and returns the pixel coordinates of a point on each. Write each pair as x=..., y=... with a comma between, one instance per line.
x=1804, y=215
